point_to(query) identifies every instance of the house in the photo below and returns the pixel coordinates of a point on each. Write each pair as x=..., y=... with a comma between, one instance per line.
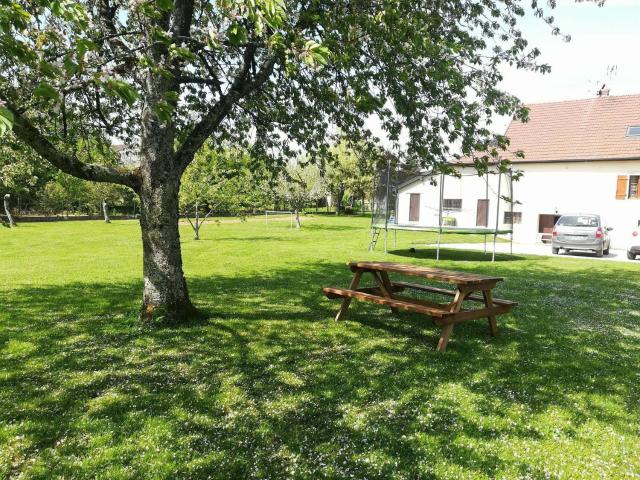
x=580, y=156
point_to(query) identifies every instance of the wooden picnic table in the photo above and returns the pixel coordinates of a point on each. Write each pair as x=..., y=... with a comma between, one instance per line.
x=468, y=287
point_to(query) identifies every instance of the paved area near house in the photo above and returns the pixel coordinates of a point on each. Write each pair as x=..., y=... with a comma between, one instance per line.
x=544, y=250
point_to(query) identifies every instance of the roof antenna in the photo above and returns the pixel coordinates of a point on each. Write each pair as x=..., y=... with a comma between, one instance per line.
x=604, y=91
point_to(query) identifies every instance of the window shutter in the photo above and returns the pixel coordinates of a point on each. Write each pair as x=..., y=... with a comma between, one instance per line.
x=621, y=187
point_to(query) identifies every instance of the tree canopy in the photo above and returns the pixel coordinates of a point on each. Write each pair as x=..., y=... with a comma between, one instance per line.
x=266, y=72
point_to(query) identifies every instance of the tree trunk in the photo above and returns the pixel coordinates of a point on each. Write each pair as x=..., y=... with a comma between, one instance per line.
x=7, y=211
x=339, y=201
x=165, y=295
x=105, y=211
x=298, y=224
x=196, y=229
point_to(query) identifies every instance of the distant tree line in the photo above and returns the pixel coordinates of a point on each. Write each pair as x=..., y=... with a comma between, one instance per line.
x=35, y=187
x=220, y=182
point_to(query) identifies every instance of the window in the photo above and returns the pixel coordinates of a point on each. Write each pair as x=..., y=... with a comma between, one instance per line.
x=633, y=186
x=633, y=131
x=579, y=221
x=452, y=203
x=627, y=187
x=517, y=218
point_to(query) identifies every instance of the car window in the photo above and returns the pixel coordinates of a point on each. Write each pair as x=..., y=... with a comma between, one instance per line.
x=578, y=221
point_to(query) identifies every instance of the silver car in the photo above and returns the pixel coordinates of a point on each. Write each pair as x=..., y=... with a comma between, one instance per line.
x=581, y=232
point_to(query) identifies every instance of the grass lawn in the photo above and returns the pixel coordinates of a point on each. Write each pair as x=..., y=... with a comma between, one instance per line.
x=270, y=387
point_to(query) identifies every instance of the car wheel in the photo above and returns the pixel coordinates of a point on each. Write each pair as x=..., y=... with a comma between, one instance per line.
x=555, y=250
x=606, y=251
x=631, y=256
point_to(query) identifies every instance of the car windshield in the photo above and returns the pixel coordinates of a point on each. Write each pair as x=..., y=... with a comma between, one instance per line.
x=578, y=221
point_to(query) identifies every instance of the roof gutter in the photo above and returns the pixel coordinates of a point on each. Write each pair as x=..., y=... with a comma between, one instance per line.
x=569, y=160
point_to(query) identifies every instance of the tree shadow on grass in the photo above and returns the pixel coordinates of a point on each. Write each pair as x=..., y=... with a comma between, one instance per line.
x=270, y=386
x=328, y=227
x=262, y=238
x=453, y=254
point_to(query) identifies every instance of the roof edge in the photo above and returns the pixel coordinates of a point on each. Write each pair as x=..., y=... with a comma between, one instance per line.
x=569, y=160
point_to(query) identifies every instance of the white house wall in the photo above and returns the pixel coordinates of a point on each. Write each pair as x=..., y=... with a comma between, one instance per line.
x=544, y=188
x=469, y=188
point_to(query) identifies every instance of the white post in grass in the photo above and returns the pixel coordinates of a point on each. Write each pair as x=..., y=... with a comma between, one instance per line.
x=486, y=222
x=8, y=212
x=440, y=215
x=105, y=211
x=511, y=202
x=386, y=208
x=495, y=233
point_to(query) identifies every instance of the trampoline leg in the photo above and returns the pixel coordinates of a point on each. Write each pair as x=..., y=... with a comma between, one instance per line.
x=493, y=256
x=386, y=235
x=395, y=239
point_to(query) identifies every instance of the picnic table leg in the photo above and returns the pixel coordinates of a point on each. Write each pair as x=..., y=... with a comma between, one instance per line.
x=384, y=284
x=355, y=281
x=444, y=337
x=488, y=301
x=384, y=276
x=455, y=306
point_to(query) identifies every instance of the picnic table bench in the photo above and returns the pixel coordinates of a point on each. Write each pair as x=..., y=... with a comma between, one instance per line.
x=469, y=287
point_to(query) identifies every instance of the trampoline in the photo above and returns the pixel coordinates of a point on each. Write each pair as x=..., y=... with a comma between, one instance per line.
x=384, y=218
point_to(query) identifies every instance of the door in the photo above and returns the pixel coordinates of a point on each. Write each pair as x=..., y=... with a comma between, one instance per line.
x=414, y=207
x=546, y=222
x=482, y=213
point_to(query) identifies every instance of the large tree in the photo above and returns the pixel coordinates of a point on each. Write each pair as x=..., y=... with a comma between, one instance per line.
x=275, y=75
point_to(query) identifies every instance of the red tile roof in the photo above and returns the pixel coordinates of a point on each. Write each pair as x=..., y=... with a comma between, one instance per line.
x=590, y=129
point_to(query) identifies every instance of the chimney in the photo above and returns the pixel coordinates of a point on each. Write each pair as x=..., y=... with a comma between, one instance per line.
x=604, y=91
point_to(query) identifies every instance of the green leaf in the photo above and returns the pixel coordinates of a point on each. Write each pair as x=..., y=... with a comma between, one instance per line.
x=83, y=45
x=182, y=52
x=123, y=90
x=172, y=96
x=46, y=91
x=48, y=70
x=237, y=34
x=315, y=54
x=6, y=120
x=164, y=111
x=164, y=5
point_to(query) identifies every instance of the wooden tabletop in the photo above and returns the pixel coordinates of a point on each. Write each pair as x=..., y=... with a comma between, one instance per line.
x=450, y=276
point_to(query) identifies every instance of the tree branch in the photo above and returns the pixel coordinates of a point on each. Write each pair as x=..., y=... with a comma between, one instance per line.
x=193, y=79
x=240, y=88
x=182, y=18
x=111, y=35
x=30, y=135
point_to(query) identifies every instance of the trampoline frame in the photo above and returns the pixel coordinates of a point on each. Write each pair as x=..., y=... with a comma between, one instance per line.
x=440, y=228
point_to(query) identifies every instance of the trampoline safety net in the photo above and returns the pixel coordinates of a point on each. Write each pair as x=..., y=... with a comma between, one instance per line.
x=385, y=204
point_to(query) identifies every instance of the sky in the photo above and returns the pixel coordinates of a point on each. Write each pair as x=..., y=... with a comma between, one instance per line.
x=604, y=48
